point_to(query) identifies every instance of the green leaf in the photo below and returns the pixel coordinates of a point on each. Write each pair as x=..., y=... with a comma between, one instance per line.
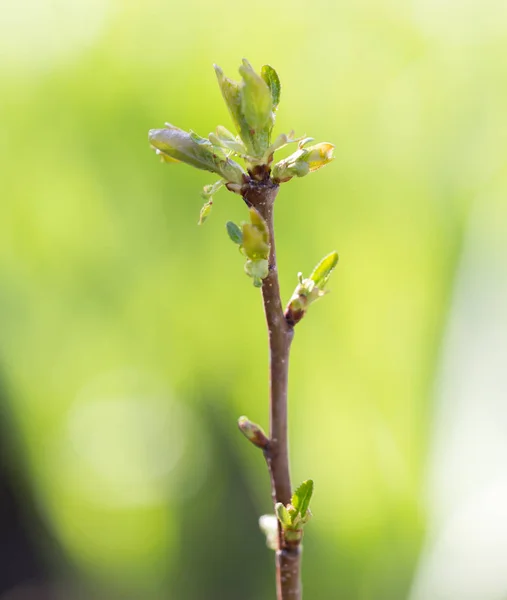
x=323, y=270
x=256, y=100
x=254, y=242
x=257, y=220
x=272, y=80
x=205, y=212
x=178, y=144
x=234, y=232
x=302, y=496
x=232, y=94
x=207, y=194
x=283, y=515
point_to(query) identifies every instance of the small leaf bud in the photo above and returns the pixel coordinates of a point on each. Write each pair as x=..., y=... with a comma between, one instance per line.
x=303, y=161
x=253, y=432
x=251, y=106
x=272, y=80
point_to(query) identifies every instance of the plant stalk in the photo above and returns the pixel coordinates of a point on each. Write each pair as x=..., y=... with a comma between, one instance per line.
x=261, y=195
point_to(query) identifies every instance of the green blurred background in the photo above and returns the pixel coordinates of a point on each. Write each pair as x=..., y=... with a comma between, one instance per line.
x=130, y=338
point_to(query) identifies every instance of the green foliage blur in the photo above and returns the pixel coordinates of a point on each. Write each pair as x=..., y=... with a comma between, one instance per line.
x=131, y=339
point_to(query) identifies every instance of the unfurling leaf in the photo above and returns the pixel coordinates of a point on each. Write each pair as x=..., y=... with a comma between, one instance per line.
x=207, y=194
x=310, y=289
x=256, y=236
x=205, y=212
x=283, y=515
x=302, y=496
x=209, y=190
x=231, y=92
x=320, y=275
x=256, y=100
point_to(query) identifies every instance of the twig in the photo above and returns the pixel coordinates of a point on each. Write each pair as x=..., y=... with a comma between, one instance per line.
x=261, y=195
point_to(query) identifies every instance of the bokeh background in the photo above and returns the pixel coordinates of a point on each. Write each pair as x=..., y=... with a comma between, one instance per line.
x=131, y=340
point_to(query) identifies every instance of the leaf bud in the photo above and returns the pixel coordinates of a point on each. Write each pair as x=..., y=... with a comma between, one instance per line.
x=303, y=161
x=250, y=103
x=310, y=289
x=253, y=432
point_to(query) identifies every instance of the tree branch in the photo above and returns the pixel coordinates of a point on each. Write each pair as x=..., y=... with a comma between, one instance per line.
x=261, y=195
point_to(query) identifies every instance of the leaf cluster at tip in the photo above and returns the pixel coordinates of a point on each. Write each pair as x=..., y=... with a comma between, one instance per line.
x=252, y=103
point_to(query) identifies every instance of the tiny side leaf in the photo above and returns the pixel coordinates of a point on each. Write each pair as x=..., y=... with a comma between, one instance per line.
x=205, y=212
x=234, y=232
x=283, y=515
x=270, y=76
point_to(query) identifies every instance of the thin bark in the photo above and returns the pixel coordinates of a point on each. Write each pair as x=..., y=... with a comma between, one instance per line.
x=262, y=196
x=288, y=567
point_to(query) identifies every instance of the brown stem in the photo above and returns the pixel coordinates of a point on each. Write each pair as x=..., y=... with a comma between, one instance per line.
x=261, y=195
x=288, y=576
